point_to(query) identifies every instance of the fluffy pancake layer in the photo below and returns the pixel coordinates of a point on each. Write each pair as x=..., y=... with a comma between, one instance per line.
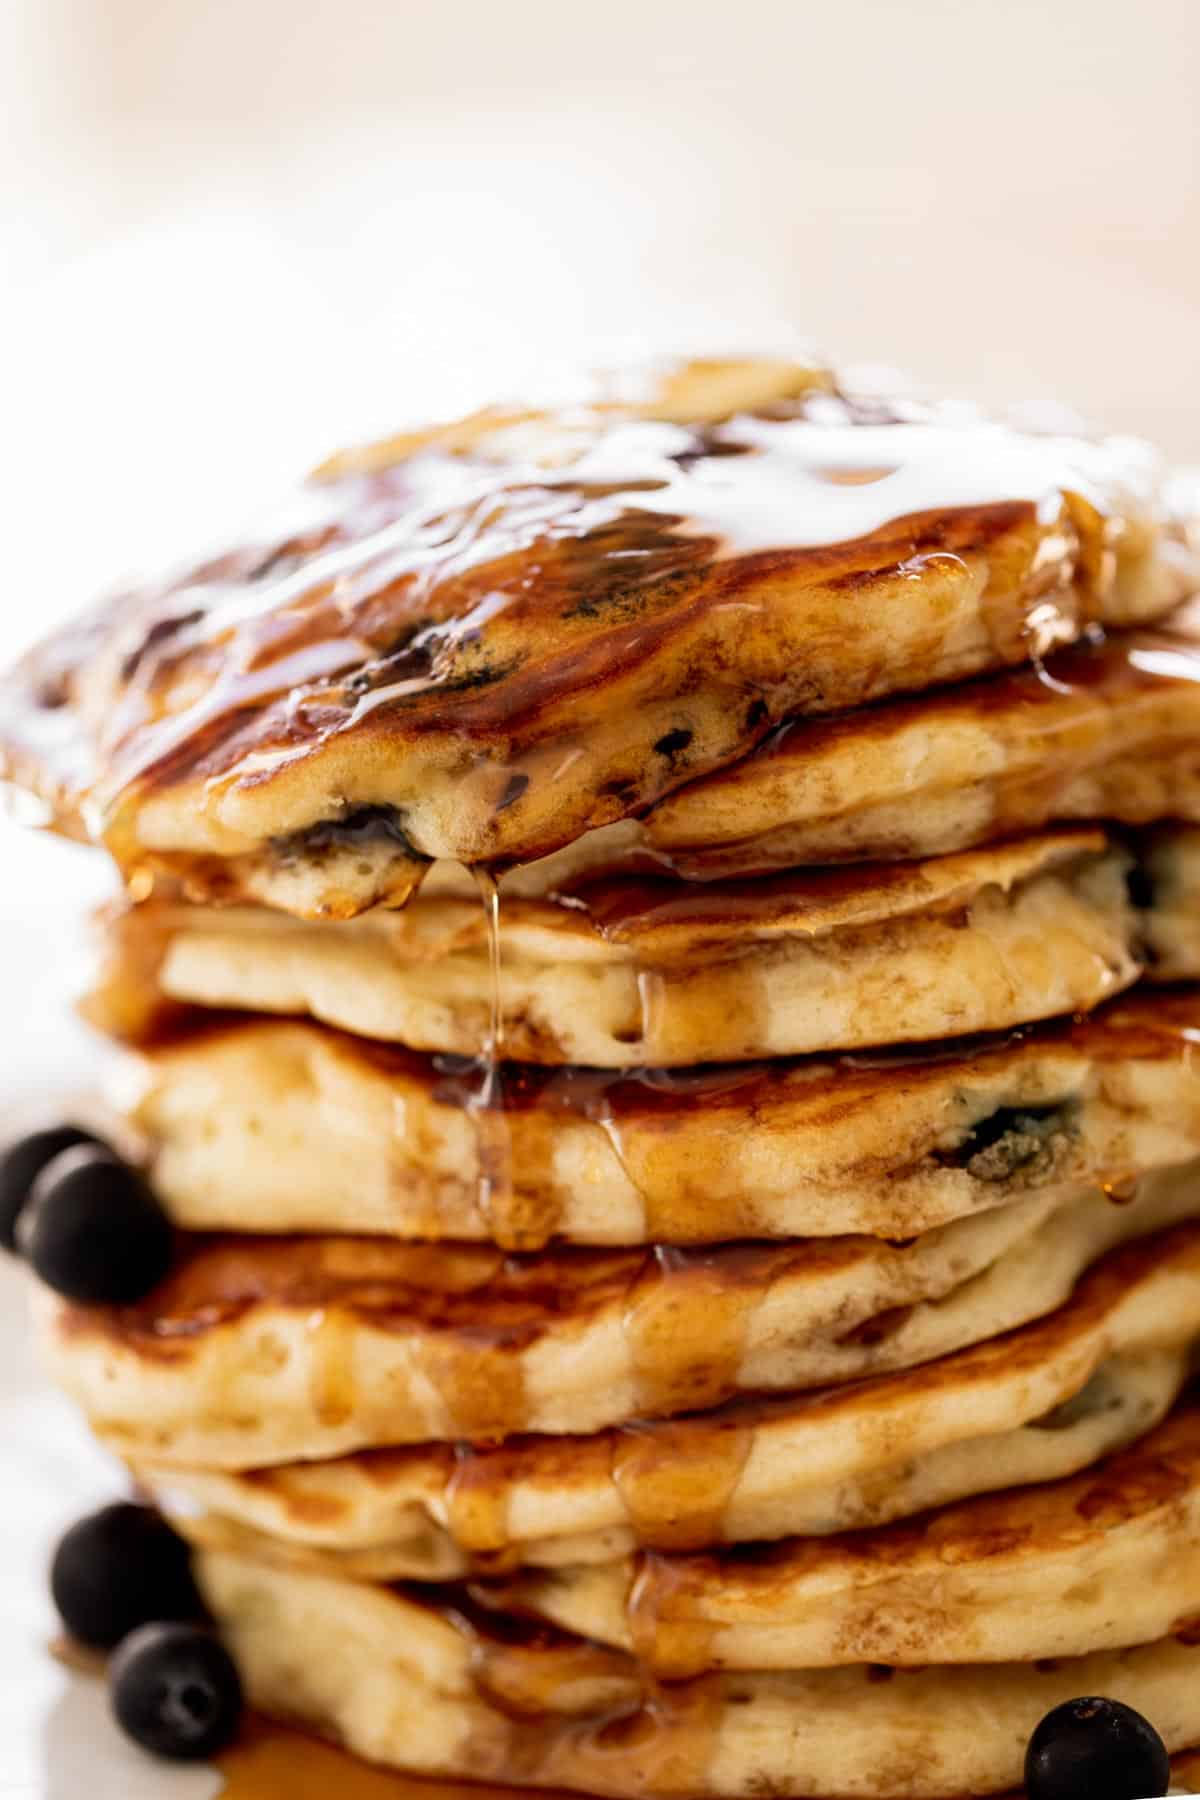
x=347, y=1343
x=1106, y=729
x=512, y=634
x=279, y=1126
x=1034, y=1404
x=631, y=973
x=1101, y=1560
x=452, y=1692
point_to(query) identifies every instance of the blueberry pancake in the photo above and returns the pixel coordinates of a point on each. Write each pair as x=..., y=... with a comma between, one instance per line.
x=1095, y=1561
x=391, y=1515
x=627, y=973
x=465, y=1342
x=761, y=1467
x=445, y=1687
x=647, y=1238
x=482, y=642
x=1108, y=728
x=270, y=1125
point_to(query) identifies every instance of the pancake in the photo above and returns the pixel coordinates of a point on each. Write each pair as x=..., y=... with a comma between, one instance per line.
x=448, y=1691
x=1109, y=729
x=349, y=1342
x=1031, y=1405
x=625, y=973
x=378, y=1515
x=1096, y=1562
x=266, y=1125
x=480, y=644
x=1168, y=888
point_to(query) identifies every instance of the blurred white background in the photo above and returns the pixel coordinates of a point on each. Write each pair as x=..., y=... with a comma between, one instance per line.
x=237, y=230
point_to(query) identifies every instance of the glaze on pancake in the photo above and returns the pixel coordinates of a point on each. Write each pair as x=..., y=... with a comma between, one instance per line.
x=627, y=973
x=1099, y=1561
x=278, y=1126
x=481, y=644
x=449, y=1690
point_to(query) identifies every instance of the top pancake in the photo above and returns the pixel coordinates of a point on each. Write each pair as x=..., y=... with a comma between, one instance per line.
x=481, y=642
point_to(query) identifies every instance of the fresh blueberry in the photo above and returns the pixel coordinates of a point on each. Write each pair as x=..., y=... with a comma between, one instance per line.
x=23, y=1162
x=175, y=1691
x=118, y=1569
x=93, y=1230
x=1098, y=1749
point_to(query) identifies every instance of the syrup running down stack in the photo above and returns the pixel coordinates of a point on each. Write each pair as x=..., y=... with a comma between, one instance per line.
x=653, y=986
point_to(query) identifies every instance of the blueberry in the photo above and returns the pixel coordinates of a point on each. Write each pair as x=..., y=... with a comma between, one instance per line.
x=23, y=1162
x=116, y=1570
x=1098, y=1749
x=174, y=1690
x=93, y=1230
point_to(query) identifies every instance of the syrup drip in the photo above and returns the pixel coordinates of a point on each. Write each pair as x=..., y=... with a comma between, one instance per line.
x=675, y=1482
x=487, y=1110
x=1121, y=1188
x=668, y=1636
x=475, y=1502
x=333, y=1386
x=579, y=1715
x=686, y=1320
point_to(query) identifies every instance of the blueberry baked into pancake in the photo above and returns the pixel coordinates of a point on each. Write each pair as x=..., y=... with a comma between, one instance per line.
x=647, y=1240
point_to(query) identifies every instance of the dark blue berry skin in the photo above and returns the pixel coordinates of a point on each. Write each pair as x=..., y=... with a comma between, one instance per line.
x=1094, y=1749
x=118, y=1569
x=93, y=1230
x=175, y=1691
x=23, y=1162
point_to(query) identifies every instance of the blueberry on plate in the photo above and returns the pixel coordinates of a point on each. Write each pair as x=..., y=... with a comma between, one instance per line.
x=175, y=1691
x=21, y=1164
x=1098, y=1749
x=118, y=1569
x=93, y=1230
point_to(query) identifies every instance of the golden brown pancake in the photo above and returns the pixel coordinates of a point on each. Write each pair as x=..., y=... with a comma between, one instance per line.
x=446, y=1689
x=480, y=644
x=267, y=1125
x=768, y=1467
x=1108, y=729
x=630, y=972
x=359, y=1341
x=1104, y=1559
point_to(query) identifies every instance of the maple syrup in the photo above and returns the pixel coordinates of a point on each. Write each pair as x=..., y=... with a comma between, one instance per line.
x=506, y=594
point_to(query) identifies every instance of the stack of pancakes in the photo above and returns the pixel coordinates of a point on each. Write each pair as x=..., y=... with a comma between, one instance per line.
x=654, y=988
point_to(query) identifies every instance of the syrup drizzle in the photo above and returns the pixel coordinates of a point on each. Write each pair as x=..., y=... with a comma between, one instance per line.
x=420, y=587
x=475, y=1502
x=487, y=1107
